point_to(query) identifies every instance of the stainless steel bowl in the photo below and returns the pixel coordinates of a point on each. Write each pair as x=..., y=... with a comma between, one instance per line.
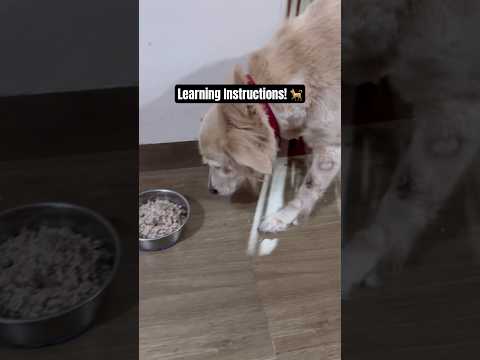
x=70, y=322
x=170, y=239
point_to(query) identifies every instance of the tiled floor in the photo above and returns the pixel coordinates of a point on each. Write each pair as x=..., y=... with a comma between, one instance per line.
x=206, y=299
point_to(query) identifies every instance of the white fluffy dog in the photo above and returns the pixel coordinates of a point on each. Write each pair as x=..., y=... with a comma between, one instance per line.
x=236, y=140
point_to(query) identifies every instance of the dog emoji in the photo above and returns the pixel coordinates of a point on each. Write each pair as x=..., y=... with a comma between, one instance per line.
x=297, y=96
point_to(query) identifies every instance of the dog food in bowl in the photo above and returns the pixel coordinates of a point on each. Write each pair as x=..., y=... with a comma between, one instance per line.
x=160, y=217
x=47, y=270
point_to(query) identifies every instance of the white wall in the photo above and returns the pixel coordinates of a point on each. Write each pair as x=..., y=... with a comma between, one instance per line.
x=192, y=41
x=54, y=46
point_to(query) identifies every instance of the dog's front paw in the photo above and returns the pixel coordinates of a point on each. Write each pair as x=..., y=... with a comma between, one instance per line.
x=279, y=221
x=273, y=224
x=360, y=258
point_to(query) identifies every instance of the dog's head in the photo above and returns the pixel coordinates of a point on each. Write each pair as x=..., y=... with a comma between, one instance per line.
x=236, y=143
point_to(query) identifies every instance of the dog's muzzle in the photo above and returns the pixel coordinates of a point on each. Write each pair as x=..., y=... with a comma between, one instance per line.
x=211, y=189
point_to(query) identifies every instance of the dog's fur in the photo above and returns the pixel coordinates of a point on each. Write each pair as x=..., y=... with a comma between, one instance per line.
x=429, y=51
x=236, y=140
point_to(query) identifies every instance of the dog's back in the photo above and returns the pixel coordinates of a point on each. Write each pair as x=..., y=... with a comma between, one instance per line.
x=308, y=45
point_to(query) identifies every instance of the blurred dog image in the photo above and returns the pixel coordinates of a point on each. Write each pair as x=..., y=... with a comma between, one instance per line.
x=236, y=140
x=426, y=49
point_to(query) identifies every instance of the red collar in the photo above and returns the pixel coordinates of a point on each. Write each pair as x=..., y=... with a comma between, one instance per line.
x=272, y=119
x=295, y=146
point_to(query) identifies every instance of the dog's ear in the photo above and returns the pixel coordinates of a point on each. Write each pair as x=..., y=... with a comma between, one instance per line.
x=249, y=110
x=251, y=154
x=240, y=113
x=238, y=75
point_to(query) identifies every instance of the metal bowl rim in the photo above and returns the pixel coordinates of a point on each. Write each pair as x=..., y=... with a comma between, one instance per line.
x=96, y=216
x=170, y=192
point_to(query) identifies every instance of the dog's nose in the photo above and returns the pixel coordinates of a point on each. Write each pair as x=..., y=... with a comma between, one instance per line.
x=211, y=189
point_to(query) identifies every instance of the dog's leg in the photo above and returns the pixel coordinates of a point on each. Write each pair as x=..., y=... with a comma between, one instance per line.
x=325, y=166
x=338, y=193
x=472, y=212
x=425, y=178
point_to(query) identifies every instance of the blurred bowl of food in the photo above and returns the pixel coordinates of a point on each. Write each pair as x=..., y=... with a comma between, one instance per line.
x=56, y=262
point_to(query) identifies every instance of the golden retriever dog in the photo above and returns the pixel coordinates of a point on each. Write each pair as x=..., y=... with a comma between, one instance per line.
x=236, y=140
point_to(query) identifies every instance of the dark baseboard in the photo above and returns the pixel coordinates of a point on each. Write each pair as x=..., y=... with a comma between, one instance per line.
x=169, y=156
x=58, y=124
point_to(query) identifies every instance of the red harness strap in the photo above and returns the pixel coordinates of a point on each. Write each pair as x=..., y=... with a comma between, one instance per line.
x=295, y=146
x=272, y=119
